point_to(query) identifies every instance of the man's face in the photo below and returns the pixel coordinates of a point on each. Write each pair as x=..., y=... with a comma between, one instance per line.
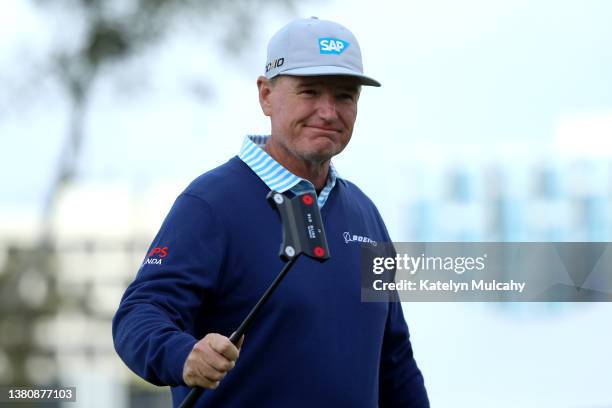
x=312, y=117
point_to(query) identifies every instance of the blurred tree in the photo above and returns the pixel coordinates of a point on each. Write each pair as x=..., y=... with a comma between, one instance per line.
x=112, y=32
x=27, y=298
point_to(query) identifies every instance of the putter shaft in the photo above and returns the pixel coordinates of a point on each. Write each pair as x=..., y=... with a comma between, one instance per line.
x=196, y=392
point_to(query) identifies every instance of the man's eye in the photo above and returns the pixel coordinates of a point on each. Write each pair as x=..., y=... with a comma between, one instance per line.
x=346, y=96
x=309, y=92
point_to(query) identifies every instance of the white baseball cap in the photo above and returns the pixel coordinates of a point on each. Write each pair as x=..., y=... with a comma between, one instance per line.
x=309, y=47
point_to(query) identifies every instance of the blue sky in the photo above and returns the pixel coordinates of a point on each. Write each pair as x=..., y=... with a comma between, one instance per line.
x=468, y=76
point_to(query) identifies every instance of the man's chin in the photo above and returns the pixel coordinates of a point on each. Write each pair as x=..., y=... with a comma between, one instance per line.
x=320, y=156
x=317, y=157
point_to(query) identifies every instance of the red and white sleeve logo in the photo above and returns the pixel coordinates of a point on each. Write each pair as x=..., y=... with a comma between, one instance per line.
x=156, y=255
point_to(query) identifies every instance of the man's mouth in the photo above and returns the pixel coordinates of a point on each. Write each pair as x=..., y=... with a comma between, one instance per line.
x=325, y=128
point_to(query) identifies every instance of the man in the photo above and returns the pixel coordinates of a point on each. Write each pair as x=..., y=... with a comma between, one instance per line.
x=315, y=344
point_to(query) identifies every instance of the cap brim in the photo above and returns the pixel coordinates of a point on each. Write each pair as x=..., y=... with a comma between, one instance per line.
x=330, y=70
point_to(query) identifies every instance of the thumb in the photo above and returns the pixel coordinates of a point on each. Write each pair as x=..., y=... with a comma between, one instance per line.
x=239, y=345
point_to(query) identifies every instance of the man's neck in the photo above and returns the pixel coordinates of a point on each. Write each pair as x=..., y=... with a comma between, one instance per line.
x=313, y=171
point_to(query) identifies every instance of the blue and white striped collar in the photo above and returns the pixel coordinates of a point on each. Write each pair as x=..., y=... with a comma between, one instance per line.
x=276, y=176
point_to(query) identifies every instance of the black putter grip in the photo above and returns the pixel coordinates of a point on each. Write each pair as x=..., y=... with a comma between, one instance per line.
x=192, y=397
x=197, y=392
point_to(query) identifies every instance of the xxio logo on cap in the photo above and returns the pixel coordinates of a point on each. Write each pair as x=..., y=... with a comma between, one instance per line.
x=332, y=45
x=275, y=63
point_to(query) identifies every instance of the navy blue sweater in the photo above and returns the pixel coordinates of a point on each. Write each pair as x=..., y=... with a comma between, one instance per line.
x=314, y=344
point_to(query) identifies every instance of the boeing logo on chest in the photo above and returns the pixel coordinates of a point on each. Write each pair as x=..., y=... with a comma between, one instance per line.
x=348, y=237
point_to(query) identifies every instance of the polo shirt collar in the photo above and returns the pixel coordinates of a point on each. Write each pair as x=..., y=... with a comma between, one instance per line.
x=277, y=177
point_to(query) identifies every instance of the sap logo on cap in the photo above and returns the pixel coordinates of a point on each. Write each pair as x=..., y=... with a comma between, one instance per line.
x=332, y=45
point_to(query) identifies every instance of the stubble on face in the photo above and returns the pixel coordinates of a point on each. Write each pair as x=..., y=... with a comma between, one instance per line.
x=312, y=119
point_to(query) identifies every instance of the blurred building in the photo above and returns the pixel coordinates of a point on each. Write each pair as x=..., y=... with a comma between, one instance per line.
x=551, y=201
x=58, y=300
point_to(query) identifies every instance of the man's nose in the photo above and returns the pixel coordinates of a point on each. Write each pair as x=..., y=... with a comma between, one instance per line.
x=327, y=106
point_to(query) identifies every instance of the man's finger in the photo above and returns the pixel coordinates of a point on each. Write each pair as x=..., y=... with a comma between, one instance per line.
x=219, y=362
x=212, y=374
x=225, y=347
x=204, y=382
x=240, y=341
x=198, y=373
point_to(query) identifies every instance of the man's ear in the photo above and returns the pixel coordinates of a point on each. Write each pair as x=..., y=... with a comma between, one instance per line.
x=265, y=90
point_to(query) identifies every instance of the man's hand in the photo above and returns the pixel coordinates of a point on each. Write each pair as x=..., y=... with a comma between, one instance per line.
x=210, y=360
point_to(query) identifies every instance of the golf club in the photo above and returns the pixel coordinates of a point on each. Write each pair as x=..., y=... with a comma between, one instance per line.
x=303, y=233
